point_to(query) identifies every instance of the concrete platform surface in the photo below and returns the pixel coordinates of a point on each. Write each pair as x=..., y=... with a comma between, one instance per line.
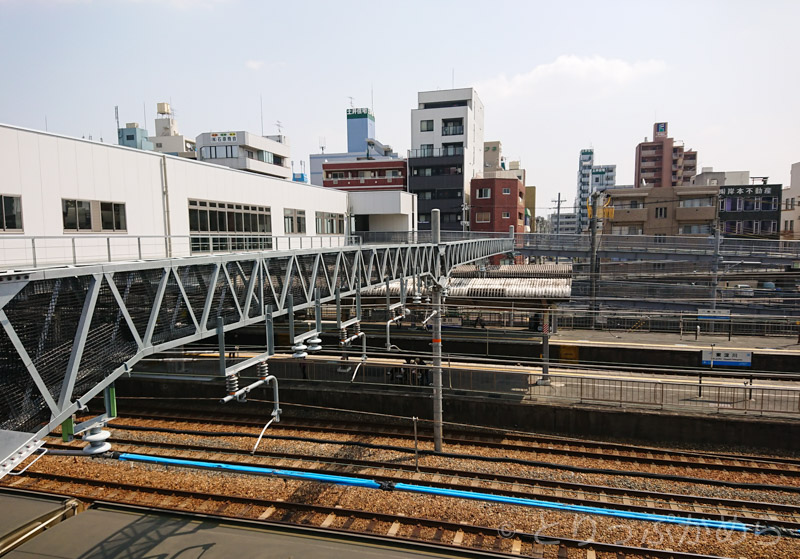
x=24, y=514
x=111, y=532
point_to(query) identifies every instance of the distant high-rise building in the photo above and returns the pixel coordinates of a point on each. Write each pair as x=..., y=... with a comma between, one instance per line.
x=664, y=161
x=133, y=136
x=591, y=178
x=446, y=153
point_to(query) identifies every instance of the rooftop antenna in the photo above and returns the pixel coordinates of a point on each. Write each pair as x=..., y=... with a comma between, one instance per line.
x=351, y=101
x=372, y=97
x=144, y=111
x=261, y=97
x=322, y=144
x=453, y=79
x=279, y=124
x=45, y=123
x=116, y=116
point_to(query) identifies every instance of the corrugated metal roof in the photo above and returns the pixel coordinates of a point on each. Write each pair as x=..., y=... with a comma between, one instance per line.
x=513, y=271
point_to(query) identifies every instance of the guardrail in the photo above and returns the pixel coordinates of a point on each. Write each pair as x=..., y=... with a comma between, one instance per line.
x=33, y=252
x=522, y=386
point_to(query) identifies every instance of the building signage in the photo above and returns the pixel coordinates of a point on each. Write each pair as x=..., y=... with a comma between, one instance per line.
x=223, y=137
x=727, y=358
x=362, y=111
x=745, y=190
x=661, y=129
x=713, y=314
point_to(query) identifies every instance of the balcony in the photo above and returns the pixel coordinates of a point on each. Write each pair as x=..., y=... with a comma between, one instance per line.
x=648, y=175
x=649, y=153
x=637, y=215
x=647, y=164
x=696, y=214
x=436, y=152
x=452, y=130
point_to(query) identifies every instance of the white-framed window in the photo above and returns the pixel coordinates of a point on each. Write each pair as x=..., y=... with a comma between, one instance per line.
x=506, y=191
x=661, y=212
x=426, y=126
x=484, y=193
x=506, y=215
x=93, y=215
x=483, y=217
x=329, y=223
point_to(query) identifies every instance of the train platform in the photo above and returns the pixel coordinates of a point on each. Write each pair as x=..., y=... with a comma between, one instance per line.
x=25, y=515
x=109, y=531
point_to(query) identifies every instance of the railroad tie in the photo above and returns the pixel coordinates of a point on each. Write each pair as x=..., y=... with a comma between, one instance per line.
x=267, y=513
x=348, y=523
x=562, y=552
x=415, y=533
x=331, y=517
x=437, y=536
x=516, y=547
x=458, y=538
x=393, y=529
x=590, y=554
x=538, y=551
x=371, y=525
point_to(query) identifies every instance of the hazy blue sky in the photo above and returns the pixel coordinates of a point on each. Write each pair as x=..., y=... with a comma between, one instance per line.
x=555, y=77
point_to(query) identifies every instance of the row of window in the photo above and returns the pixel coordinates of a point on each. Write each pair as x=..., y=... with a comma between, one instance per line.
x=444, y=218
x=206, y=216
x=376, y=174
x=486, y=217
x=436, y=171
x=440, y=194
x=93, y=216
x=450, y=126
x=750, y=227
x=485, y=193
x=227, y=152
x=749, y=204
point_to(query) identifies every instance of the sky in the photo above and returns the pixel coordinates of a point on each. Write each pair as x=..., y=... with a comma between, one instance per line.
x=555, y=77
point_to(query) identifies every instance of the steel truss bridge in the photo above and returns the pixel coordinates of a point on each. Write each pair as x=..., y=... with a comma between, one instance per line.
x=67, y=333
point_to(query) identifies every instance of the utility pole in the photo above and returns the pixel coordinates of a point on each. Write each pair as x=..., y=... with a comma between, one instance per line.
x=715, y=265
x=558, y=213
x=593, y=264
x=437, y=335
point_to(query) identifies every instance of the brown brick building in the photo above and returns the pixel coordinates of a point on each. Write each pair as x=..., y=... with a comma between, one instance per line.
x=664, y=161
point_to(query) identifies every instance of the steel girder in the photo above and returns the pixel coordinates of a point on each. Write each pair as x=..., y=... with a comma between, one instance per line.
x=68, y=333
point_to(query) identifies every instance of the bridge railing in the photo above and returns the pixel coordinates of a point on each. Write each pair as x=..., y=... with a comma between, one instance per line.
x=32, y=252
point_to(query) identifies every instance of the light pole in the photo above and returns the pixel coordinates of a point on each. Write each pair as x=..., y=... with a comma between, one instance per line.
x=464, y=217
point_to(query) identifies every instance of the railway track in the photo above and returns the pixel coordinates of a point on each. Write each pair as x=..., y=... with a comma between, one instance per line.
x=499, y=540
x=787, y=469
x=751, y=512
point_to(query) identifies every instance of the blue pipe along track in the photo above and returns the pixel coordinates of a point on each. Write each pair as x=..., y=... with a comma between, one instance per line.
x=730, y=525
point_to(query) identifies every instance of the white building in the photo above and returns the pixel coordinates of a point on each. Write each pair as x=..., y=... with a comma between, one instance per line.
x=266, y=155
x=446, y=153
x=563, y=223
x=790, y=211
x=709, y=177
x=100, y=201
x=591, y=178
x=167, y=138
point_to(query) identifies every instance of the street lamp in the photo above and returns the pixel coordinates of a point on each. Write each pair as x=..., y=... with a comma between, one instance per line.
x=464, y=222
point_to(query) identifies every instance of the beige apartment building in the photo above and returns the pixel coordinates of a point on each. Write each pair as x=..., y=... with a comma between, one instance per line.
x=665, y=210
x=663, y=161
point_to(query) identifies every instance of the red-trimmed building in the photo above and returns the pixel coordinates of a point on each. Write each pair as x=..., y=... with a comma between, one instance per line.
x=366, y=174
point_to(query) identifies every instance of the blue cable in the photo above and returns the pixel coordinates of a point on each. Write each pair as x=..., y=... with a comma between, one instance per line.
x=475, y=495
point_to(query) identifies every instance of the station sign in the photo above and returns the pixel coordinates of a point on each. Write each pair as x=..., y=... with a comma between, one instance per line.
x=713, y=314
x=728, y=358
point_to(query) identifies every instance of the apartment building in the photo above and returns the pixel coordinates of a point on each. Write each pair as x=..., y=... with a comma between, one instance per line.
x=265, y=155
x=564, y=223
x=591, y=178
x=446, y=153
x=663, y=161
x=366, y=174
x=497, y=204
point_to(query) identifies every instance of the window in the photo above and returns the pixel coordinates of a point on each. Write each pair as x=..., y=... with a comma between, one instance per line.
x=696, y=202
x=158, y=145
x=129, y=137
x=294, y=221
x=329, y=223
x=425, y=194
x=661, y=212
x=219, y=152
x=240, y=227
x=435, y=171
x=698, y=229
x=424, y=218
x=11, y=213
x=393, y=173
x=634, y=204
x=426, y=126
x=506, y=191
x=77, y=215
x=660, y=238
x=426, y=150
x=506, y=215
x=336, y=175
x=484, y=193
x=483, y=217
x=450, y=217
x=112, y=216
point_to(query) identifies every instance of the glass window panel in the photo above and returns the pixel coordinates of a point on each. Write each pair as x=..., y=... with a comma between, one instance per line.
x=12, y=212
x=213, y=220
x=107, y=216
x=84, y=215
x=239, y=224
x=120, y=222
x=222, y=220
x=194, y=220
x=203, y=220
x=231, y=221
